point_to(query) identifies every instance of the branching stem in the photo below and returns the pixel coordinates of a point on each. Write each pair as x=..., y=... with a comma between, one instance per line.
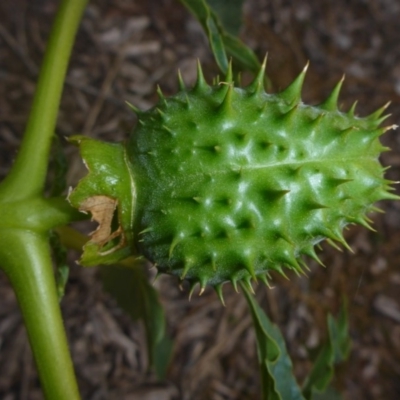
x=27, y=217
x=28, y=174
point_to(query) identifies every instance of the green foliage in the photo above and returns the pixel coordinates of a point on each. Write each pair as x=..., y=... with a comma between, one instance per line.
x=131, y=288
x=329, y=394
x=229, y=13
x=219, y=28
x=276, y=367
x=275, y=364
x=333, y=352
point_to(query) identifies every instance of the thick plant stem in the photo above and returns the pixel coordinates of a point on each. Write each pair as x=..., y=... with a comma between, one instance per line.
x=38, y=214
x=24, y=249
x=28, y=174
x=26, y=261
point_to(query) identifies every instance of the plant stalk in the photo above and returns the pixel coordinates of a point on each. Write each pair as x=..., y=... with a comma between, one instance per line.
x=26, y=261
x=27, y=176
x=24, y=248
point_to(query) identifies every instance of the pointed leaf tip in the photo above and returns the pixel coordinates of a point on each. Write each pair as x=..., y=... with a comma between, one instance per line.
x=292, y=94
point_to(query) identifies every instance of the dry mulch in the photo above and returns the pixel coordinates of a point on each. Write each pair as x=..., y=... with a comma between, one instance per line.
x=124, y=49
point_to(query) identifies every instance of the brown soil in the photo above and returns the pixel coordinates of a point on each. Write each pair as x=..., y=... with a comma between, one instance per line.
x=124, y=49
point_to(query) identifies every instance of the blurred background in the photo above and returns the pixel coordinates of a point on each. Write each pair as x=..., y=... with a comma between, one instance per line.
x=123, y=50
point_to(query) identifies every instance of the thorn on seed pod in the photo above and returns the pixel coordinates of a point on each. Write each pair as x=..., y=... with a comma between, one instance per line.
x=248, y=285
x=292, y=94
x=263, y=278
x=234, y=282
x=257, y=86
x=136, y=110
x=375, y=116
x=218, y=290
x=229, y=73
x=331, y=102
x=181, y=83
x=226, y=105
x=351, y=112
x=201, y=85
x=192, y=288
x=157, y=275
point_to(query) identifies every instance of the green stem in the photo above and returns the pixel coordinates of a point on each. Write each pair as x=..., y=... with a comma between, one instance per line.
x=28, y=174
x=27, y=216
x=38, y=214
x=26, y=260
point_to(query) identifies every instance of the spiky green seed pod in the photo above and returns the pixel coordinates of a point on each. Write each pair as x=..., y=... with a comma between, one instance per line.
x=234, y=182
x=220, y=183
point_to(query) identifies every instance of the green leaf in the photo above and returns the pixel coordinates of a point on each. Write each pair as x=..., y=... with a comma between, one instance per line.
x=329, y=394
x=108, y=193
x=131, y=289
x=222, y=42
x=242, y=54
x=216, y=43
x=207, y=19
x=229, y=13
x=277, y=376
x=333, y=352
x=162, y=353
